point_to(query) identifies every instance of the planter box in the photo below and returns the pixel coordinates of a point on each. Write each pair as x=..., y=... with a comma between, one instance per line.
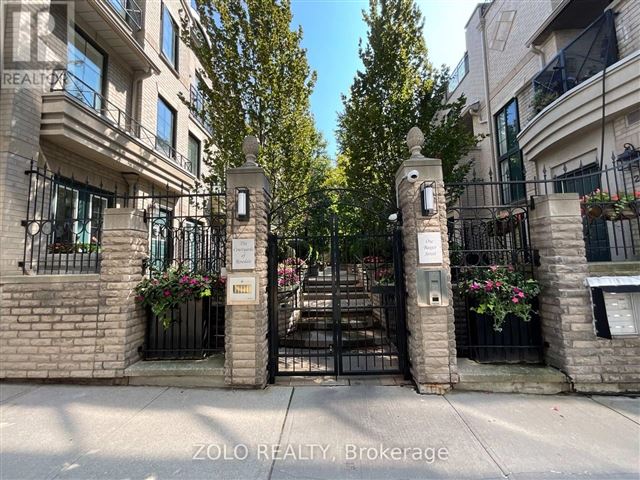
x=518, y=342
x=197, y=331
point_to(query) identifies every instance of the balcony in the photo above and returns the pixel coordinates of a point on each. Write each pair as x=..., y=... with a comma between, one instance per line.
x=588, y=54
x=82, y=120
x=459, y=73
x=118, y=23
x=196, y=99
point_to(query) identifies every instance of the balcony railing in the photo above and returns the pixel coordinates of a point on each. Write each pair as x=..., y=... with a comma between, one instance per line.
x=82, y=93
x=459, y=73
x=590, y=53
x=130, y=12
x=196, y=99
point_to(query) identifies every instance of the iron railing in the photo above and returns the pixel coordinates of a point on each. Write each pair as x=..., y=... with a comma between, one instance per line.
x=590, y=53
x=63, y=224
x=197, y=101
x=459, y=73
x=188, y=234
x=130, y=12
x=65, y=81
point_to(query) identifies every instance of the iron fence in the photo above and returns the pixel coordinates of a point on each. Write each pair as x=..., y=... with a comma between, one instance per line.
x=187, y=234
x=63, y=224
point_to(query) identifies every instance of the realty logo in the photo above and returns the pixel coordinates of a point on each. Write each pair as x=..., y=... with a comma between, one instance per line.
x=33, y=41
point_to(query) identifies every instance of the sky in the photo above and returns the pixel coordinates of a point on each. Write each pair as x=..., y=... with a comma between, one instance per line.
x=332, y=29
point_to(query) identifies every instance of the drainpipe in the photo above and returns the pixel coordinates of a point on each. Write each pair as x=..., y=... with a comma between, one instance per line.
x=538, y=51
x=487, y=98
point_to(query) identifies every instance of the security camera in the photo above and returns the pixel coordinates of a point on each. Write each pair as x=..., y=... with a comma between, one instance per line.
x=412, y=176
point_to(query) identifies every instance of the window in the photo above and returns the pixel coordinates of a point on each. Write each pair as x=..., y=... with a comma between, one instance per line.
x=166, y=128
x=169, y=40
x=194, y=155
x=78, y=214
x=509, y=156
x=161, y=240
x=583, y=181
x=85, y=71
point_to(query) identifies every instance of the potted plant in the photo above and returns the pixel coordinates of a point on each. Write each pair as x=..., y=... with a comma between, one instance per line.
x=288, y=279
x=383, y=281
x=499, y=292
x=371, y=262
x=165, y=292
x=542, y=98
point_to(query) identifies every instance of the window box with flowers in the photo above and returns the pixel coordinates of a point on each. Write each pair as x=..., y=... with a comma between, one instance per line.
x=288, y=281
x=602, y=204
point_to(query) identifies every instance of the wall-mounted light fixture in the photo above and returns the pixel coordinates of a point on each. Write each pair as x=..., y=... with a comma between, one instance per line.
x=428, y=199
x=242, y=204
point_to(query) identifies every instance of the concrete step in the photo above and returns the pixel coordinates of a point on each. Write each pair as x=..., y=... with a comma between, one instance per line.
x=323, y=281
x=328, y=295
x=350, y=305
x=322, y=339
x=326, y=323
x=208, y=372
x=510, y=378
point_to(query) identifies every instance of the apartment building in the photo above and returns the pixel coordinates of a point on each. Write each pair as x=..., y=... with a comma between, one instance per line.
x=555, y=88
x=108, y=121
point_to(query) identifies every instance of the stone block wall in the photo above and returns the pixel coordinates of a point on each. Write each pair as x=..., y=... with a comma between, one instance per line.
x=77, y=326
x=593, y=364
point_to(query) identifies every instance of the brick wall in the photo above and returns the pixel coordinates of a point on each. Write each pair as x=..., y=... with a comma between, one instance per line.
x=627, y=23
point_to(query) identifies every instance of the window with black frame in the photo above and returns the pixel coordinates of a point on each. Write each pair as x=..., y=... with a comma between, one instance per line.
x=509, y=155
x=161, y=253
x=85, y=70
x=77, y=213
x=166, y=128
x=169, y=40
x=584, y=181
x=194, y=155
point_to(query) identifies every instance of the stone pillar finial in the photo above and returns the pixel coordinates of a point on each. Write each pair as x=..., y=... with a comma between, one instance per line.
x=250, y=148
x=415, y=141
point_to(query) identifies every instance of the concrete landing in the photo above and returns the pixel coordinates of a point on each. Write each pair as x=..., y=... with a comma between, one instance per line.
x=510, y=378
x=208, y=372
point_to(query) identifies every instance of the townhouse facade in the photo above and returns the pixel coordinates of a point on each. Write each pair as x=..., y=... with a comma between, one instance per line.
x=554, y=88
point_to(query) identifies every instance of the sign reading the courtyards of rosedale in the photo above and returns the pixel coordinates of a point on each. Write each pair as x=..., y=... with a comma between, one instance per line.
x=243, y=253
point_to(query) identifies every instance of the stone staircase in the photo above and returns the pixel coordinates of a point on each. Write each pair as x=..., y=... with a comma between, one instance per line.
x=315, y=328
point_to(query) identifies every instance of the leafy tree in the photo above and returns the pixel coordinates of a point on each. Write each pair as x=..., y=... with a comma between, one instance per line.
x=397, y=89
x=255, y=80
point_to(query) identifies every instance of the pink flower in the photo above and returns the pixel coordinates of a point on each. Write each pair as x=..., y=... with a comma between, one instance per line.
x=521, y=294
x=510, y=268
x=488, y=285
x=515, y=300
x=493, y=268
x=139, y=298
x=474, y=286
x=498, y=284
x=193, y=281
x=167, y=293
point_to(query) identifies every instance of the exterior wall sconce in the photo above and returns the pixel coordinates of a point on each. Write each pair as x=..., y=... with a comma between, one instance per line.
x=428, y=199
x=242, y=204
x=629, y=154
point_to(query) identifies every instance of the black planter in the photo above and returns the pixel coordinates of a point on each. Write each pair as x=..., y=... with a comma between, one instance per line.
x=518, y=342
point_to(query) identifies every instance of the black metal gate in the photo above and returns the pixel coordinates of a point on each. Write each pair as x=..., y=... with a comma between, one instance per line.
x=337, y=301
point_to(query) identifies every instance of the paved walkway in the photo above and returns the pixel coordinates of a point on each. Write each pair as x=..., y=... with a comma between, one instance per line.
x=356, y=432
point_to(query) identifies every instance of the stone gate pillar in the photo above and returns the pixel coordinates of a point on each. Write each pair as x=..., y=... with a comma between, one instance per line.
x=430, y=320
x=246, y=316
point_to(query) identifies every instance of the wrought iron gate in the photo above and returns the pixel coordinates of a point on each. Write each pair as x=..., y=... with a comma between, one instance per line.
x=337, y=302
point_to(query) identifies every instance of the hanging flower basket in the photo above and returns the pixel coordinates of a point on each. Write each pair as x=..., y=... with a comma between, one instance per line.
x=504, y=223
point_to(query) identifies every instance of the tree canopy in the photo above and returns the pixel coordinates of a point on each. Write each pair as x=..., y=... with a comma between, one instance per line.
x=256, y=80
x=398, y=89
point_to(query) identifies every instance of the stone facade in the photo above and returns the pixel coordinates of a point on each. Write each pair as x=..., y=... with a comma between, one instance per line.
x=78, y=326
x=431, y=334
x=593, y=364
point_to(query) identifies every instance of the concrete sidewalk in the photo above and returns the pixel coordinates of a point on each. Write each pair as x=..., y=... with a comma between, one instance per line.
x=357, y=432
